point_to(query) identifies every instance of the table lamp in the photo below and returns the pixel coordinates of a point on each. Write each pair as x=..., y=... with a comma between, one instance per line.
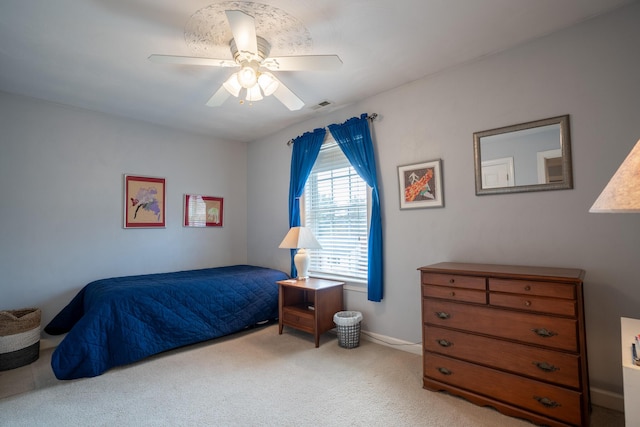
x=622, y=193
x=300, y=238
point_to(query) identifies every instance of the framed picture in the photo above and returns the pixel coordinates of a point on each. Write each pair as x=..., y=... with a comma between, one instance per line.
x=421, y=185
x=144, y=202
x=202, y=211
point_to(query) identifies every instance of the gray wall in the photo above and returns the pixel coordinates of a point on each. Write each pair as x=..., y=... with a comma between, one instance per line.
x=61, y=185
x=589, y=72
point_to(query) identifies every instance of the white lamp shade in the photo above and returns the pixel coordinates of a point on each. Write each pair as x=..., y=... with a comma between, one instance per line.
x=300, y=238
x=253, y=94
x=622, y=193
x=268, y=83
x=232, y=85
x=247, y=76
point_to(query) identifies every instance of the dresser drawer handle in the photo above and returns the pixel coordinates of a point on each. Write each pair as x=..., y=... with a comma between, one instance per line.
x=527, y=288
x=546, y=402
x=444, y=343
x=527, y=303
x=442, y=315
x=452, y=281
x=452, y=294
x=545, y=366
x=444, y=371
x=544, y=333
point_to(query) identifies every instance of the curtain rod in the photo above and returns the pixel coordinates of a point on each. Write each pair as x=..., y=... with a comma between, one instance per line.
x=371, y=117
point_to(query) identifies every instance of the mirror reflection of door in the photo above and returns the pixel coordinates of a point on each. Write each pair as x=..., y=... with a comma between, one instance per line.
x=498, y=173
x=553, y=170
x=549, y=166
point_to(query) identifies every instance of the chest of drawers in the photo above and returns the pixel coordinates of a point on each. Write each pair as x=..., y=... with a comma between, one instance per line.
x=509, y=337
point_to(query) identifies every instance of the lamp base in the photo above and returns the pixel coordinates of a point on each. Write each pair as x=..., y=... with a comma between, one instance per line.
x=301, y=261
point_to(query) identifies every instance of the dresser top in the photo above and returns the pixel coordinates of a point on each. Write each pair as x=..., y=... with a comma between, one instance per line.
x=511, y=271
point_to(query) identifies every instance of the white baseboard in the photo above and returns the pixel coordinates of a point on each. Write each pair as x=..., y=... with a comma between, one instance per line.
x=599, y=397
x=607, y=399
x=410, y=347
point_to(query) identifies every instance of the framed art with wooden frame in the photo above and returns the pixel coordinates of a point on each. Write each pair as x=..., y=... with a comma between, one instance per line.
x=144, y=202
x=202, y=211
x=421, y=185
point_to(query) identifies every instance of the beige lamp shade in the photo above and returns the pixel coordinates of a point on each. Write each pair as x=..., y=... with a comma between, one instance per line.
x=300, y=238
x=622, y=193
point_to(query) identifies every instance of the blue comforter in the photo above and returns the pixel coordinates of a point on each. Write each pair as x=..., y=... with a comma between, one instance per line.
x=113, y=322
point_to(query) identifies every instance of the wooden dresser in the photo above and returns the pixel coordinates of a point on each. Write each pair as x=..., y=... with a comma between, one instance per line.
x=510, y=337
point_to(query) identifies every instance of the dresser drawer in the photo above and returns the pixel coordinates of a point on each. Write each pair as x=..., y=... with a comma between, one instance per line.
x=530, y=287
x=548, y=365
x=549, y=400
x=454, y=280
x=563, y=307
x=524, y=327
x=456, y=294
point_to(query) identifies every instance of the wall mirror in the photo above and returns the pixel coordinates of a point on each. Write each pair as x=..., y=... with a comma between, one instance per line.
x=533, y=156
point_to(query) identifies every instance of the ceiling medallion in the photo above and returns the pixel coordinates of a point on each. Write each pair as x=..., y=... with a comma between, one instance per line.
x=207, y=33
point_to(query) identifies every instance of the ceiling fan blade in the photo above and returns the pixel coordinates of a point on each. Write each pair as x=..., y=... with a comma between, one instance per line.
x=218, y=98
x=192, y=60
x=244, y=31
x=288, y=98
x=303, y=63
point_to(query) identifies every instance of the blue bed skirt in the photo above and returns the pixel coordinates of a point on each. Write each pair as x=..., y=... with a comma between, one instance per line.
x=117, y=321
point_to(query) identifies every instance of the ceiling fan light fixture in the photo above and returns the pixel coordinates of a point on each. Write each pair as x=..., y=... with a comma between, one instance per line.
x=253, y=94
x=232, y=85
x=268, y=83
x=248, y=76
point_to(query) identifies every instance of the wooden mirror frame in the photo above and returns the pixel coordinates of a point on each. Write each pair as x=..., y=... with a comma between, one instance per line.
x=565, y=147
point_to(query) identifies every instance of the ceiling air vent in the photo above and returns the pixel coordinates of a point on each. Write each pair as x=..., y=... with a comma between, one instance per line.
x=323, y=104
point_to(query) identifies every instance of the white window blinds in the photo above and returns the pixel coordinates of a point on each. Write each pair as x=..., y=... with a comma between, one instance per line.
x=336, y=210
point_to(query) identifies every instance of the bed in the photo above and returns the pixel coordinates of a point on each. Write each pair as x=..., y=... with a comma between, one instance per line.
x=117, y=321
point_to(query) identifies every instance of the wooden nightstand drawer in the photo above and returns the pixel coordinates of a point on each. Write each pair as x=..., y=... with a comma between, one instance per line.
x=456, y=294
x=563, y=307
x=298, y=317
x=528, y=287
x=454, y=280
x=553, y=401
x=548, y=365
x=524, y=327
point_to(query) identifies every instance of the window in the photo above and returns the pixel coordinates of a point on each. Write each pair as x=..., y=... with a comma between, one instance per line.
x=336, y=209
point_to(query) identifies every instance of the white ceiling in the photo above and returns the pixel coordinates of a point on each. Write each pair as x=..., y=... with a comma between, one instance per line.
x=93, y=53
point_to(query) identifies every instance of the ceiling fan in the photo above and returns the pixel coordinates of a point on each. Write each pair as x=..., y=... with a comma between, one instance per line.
x=250, y=52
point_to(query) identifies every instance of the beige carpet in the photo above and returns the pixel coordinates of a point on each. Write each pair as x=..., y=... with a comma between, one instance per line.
x=256, y=378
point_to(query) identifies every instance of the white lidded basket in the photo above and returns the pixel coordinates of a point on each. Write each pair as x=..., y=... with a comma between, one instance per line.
x=348, y=327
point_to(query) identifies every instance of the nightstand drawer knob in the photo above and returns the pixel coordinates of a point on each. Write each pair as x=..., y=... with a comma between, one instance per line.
x=442, y=315
x=527, y=288
x=452, y=281
x=527, y=303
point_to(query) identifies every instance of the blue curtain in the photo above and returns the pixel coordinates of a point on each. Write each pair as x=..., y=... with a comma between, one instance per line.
x=305, y=152
x=354, y=138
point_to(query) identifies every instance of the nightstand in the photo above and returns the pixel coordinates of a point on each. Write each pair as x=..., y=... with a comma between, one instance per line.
x=309, y=305
x=629, y=328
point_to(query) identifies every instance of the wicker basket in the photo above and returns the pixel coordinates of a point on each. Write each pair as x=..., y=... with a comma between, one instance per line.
x=19, y=337
x=348, y=326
